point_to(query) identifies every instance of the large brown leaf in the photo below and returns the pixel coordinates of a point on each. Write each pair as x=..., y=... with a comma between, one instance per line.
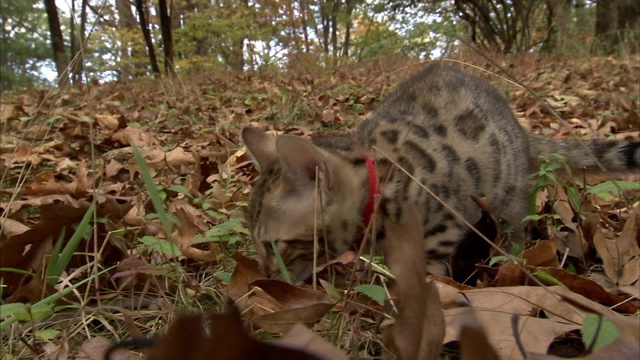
x=419, y=327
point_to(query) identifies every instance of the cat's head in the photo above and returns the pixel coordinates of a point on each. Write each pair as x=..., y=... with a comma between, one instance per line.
x=302, y=191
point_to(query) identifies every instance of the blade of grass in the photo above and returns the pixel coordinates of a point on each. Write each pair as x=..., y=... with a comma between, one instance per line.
x=156, y=200
x=17, y=271
x=60, y=260
x=49, y=300
x=286, y=276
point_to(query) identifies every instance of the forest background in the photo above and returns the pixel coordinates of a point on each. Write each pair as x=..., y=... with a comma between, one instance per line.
x=127, y=39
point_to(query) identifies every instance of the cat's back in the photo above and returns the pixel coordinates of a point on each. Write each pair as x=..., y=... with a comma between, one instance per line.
x=454, y=131
x=443, y=97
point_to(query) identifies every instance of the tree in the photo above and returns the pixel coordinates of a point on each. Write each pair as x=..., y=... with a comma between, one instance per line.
x=617, y=21
x=57, y=42
x=126, y=26
x=146, y=33
x=606, y=16
x=77, y=42
x=167, y=38
x=501, y=25
x=24, y=48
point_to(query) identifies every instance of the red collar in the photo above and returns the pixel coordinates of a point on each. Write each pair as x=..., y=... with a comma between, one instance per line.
x=374, y=189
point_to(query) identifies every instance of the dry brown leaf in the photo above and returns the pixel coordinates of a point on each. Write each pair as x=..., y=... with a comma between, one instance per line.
x=10, y=227
x=18, y=157
x=510, y=274
x=542, y=254
x=179, y=157
x=522, y=300
x=621, y=256
x=245, y=272
x=629, y=325
x=419, y=327
x=447, y=289
x=536, y=334
x=573, y=240
x=79, y=188
x=260, y=303
x=108, y=121
x=633, y=289
x=186, y=238
x=134, y=136
x=474, y=344
x=95, y=348
x=136, y=215
x=31, y=291
x=591, y=290
x=299, y=305
x=112, y=168
x=26, y=251
x=301, y=338
x=226, y=339
x=621, y=349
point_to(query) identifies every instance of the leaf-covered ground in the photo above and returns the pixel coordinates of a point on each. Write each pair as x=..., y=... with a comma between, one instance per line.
x=98, y=245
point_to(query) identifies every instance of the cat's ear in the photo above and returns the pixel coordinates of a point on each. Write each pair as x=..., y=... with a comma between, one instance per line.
x=299, y=159
x=261, y=146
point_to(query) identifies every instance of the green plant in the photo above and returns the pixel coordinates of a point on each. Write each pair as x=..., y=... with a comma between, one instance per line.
x=609, y=189
x=14, y=312
x=60, y=258
x=598, y=332
x=286, y=276
x=546, y=179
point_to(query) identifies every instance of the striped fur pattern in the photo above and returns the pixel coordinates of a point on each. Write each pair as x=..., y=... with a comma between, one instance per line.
x=451, y=131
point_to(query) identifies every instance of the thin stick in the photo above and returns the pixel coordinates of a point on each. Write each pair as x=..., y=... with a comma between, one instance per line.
x=315, y=233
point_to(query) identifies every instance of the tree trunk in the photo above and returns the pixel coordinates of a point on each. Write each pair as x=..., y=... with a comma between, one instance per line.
x=236, y=56
x=167, y=38
x=552, y=9
x=349, y=4
x=126, y=21
x=629, y=23
x=291, y=14
x=334, y=27
x=73, y=46
x=57, y=42
x=326, y=28
x=606, y=16
x=305, y=26
x=77, y=41
x=147, y=37
x=79, y=67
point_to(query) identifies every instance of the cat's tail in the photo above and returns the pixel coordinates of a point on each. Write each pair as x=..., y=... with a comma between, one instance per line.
x=589, y=155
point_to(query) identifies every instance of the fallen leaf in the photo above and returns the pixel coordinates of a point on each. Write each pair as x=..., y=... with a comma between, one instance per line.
x=301, y=338
x=222, y=336
x=245, y=272
x=10, y=227
x=474, y=343
x=26, y=251
x=186, y=238
x=95, y=348
x=543, y=253
x=536, y=334
x=510, y=274
x=522, y=300
x=621, y=256
x=108, y=121
x=298, y=304
x=419, y=327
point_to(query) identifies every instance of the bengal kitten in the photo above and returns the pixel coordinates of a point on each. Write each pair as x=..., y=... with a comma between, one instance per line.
x=451, y=131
